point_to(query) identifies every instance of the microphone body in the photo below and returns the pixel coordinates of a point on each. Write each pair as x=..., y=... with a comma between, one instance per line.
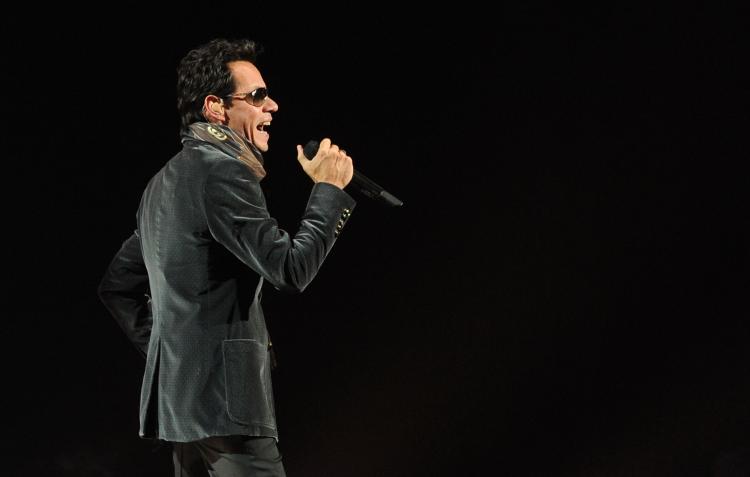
x=363, y=184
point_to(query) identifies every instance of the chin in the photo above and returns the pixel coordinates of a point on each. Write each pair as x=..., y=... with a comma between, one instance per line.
x=261, y=145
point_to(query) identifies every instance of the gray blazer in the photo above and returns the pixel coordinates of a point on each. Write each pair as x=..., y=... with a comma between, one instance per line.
x=186, y=288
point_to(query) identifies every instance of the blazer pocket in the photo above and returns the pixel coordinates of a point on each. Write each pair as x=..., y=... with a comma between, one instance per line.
x=248, y=382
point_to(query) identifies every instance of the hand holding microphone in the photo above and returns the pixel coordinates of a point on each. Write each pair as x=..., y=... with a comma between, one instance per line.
x=327, y=160
x=327, y=163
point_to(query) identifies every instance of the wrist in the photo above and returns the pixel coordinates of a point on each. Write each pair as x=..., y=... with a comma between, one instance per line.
x=337, y=184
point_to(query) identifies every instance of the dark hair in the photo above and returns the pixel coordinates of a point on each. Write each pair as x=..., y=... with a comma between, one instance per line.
x=204, y=71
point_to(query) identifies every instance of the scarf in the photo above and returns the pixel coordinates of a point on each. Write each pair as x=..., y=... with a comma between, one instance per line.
x=229, y=142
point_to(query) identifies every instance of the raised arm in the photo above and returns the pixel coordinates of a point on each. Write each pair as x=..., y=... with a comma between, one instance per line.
x=238, y=219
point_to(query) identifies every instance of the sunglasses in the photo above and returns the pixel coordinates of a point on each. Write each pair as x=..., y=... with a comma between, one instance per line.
x=256, y=97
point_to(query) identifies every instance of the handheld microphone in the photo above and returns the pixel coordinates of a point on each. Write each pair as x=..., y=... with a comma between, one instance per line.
x=364, y=185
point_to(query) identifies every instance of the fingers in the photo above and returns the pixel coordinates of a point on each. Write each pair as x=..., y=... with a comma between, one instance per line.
x=346, y=166
x=327, y=148
x=323, y=148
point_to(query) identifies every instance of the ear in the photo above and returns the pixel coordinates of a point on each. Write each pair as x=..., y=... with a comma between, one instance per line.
x=213, y=109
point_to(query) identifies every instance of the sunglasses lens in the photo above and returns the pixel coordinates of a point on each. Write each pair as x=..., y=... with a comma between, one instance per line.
x=259, y=96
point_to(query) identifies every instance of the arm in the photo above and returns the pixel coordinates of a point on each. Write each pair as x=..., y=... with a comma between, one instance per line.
x=238, y=219
x=124, y=291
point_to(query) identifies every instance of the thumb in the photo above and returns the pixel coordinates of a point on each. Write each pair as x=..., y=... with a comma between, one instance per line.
x=301, y=155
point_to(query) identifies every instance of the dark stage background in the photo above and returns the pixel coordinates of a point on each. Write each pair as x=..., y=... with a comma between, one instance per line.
x=564, y=292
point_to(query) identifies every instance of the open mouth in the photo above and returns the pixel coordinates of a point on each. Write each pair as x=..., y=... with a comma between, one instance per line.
x=263, y=127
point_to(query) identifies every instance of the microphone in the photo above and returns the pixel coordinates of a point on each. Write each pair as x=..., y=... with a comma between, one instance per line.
x=364, y=185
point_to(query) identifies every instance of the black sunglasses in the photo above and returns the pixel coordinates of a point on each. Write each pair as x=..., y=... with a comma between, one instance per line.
x=256, y=97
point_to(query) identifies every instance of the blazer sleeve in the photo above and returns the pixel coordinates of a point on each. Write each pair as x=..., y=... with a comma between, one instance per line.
x=124, y=291
x=238, y=219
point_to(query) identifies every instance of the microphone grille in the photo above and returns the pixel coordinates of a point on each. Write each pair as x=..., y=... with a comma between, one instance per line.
x=311, y=148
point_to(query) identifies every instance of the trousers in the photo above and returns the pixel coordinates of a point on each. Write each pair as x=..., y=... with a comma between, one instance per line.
x=228, y=456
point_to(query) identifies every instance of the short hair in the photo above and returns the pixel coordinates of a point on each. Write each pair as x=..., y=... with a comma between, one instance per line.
x=204, y=71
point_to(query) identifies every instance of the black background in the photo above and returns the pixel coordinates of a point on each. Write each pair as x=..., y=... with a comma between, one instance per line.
x=564, y=292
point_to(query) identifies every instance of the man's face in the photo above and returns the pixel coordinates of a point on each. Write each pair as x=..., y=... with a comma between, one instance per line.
x=248, y=120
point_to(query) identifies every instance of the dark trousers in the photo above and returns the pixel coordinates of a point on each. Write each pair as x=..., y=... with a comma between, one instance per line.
x=228, y=456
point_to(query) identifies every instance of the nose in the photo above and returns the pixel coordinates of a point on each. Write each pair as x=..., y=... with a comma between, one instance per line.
x=270, y=105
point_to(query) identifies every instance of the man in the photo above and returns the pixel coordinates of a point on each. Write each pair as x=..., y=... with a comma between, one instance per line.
x=182, y=285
